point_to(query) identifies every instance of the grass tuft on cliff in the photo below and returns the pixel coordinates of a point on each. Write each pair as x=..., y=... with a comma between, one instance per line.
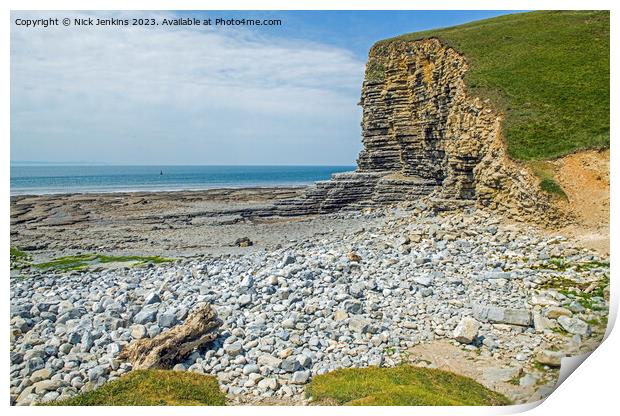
x=153, y=388
x=400, y=386
x=547, y=71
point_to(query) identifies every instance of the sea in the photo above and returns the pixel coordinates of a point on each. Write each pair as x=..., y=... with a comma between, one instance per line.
x=56, y=179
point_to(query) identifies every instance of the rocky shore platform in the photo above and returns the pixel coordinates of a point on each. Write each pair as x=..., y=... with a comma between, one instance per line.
x=171, y=224
x=465, y=291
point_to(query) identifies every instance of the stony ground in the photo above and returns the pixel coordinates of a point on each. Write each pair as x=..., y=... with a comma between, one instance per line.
x=498, y=302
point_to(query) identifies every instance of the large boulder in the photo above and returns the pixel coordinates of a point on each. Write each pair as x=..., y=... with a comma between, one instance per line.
x=173, y=346
x=466, y=331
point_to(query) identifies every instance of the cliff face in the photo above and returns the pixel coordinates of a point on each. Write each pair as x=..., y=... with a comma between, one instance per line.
x=425, y=137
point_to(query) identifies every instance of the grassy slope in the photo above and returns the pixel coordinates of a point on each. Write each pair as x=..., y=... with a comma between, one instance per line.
x=547, y=71
x=153, y=388
x=400, y=386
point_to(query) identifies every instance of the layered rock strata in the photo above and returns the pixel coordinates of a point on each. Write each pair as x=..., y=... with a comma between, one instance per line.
x=425, y=137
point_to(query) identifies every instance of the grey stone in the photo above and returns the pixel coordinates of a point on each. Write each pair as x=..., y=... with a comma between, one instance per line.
x=542, y=323
x=74, y=338
x=359, y=324
x=145, y=316
x=138, y=331
x=96, y=372
x=233, y=349
x=152, y=298
x=574, y=326
x=528, y=380
x=244, y=300
x=424, y=280
x=269, y=361
x=357, y=290
x=247, y=282
x=304, y=361
x=166, y=319
x=268, y=384
x=512, y=316
x=300, y=377
x=353, y=306
x=250, y=369
x=289, y=365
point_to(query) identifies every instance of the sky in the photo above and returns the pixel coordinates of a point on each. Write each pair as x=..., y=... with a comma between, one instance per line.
x=281, y=95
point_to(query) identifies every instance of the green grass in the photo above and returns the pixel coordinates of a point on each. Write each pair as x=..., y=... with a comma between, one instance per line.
x=83, y=261
x=573, y=289
x=560, y=330
x=153, y=388
x=19, y=259
x=544, y=171
x=19, y=254
x=561, y=264
x=400, y=386
x=552, y=187
x=547, y=71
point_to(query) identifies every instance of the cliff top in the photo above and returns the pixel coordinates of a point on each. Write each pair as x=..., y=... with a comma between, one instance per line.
x=548, y=72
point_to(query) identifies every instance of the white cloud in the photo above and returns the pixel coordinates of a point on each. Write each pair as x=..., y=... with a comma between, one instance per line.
x=188, y=95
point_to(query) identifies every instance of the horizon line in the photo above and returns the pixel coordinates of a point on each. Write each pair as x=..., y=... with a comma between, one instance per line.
x=32, y=163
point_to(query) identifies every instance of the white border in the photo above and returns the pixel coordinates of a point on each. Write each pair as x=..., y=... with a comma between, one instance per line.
x=592, y=389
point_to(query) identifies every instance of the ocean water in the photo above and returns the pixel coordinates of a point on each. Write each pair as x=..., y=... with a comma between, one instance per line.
x=51, y=179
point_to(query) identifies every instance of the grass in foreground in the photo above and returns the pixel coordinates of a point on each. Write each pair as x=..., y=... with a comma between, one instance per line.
x=82, y=261
x=548, y=72
x=153, y=388
x=400, y=386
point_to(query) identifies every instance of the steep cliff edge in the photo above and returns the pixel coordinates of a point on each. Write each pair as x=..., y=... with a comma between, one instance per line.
x=468, y=115
x=425, y=138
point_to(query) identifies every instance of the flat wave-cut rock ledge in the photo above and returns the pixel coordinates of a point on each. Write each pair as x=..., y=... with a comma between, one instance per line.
x=424, y=137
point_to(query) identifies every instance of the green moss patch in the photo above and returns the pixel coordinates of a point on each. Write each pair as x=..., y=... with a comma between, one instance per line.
x=552, y=187
x=548, y=72
x=19, y=259
x=83, y=261
x=153, y=388
x=400, y=386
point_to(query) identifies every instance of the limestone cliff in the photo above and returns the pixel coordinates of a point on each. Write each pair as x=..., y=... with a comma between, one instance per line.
x=425, y=137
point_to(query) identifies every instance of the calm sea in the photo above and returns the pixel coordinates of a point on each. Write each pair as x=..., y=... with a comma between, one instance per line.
x=66, y=179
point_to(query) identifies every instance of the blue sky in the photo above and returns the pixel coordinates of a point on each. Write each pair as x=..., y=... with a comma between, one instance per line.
x=278, y=95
